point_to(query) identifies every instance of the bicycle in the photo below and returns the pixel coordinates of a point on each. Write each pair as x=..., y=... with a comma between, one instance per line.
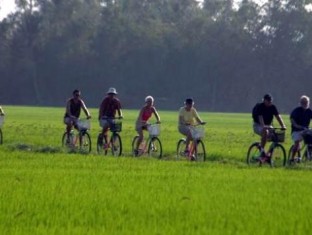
x=306, y=149
x=114, y=142
x=276, y=154
x=1, y=124
x=152, y=145
x=79, y=137
x=197, y=150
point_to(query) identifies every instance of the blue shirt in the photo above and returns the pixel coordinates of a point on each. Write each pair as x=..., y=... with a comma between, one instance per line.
x=302, y=117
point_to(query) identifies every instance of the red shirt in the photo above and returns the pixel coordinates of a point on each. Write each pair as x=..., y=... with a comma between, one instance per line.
x=109, y=106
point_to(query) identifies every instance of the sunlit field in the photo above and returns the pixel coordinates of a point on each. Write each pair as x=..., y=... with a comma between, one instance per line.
x=46, y=190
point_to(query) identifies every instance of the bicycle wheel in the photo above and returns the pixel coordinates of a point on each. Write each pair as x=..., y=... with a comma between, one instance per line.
x=293, y=158
x=100, y=145
x=253, y=154
x=278, y=156
x=155, y=148
x=134, y=145
x=307, y=156
x=67, y=142
x=200, y=151
x=180, y=149
x=116, y=144
x=1, y=137
x=84, y=142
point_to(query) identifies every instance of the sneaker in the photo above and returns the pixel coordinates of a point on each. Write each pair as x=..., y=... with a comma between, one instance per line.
x=193, y=158
x=136, y=152
x=186, y=152
x=106, y=146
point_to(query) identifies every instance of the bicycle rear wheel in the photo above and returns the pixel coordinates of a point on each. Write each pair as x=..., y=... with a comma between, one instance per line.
x=292, y=160
x=200, y=151
x=253, y=154
x=101, y=145
x=84, y=142
x=180, y=149
x=116, y=144
x=155, y=148
x=278, y=156
x=134, y=145
x=1, y=137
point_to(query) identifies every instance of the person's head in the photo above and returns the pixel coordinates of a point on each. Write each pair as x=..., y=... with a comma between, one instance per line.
x=149, y=100
x=267, y=99
x=304, y=101
x=189, y=102
x=112, y=91
x=76, y=93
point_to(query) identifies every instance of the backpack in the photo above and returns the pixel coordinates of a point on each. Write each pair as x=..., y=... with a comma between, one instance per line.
x=255, y=112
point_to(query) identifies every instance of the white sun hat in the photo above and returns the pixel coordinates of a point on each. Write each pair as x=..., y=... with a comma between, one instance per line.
x=112, y=90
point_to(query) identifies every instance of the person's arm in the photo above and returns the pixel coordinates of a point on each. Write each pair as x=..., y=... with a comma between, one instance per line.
x=197, y=118
x=1, y=111
x=119, y=113
x=86, y=111
x=280, y=121
x=156, y=114
x=295, y=124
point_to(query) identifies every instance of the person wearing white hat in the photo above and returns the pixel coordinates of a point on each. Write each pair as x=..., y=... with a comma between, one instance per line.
x=109, y=107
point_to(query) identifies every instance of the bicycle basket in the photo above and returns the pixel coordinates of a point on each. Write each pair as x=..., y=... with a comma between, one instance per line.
x=277, y=136
x=1, y=121
x=116, y=127
x=197, y=132
x=83, y=124
x=154, y=129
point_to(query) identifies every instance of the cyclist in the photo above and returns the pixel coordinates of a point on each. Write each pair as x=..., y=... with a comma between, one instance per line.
x=188, y=116
x=107, y=111
x=1, y=111
x=262, y=115
x=145, y=113
x=73, y=109
x=300, y=119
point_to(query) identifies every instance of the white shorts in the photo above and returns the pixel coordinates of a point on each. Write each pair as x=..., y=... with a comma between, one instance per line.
x=257, y=128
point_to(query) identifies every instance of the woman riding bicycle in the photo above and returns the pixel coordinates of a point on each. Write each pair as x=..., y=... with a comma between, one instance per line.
x=188, y=116
x=145, y=114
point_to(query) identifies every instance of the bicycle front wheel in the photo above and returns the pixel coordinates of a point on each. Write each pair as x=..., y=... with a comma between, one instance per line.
x=116, y=144
x=1, y=137
x=134, y=145
x=278, y=156
x=200, y=151
x=180, y=149
x=155, y=148
x=84, y=142
x=253, y=154
x=293, y=158
x=307, y=156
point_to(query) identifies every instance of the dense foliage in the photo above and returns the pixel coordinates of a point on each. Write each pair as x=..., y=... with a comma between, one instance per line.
x=224, y=54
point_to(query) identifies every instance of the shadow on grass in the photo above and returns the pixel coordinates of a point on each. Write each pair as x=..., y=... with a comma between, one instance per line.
x=35, y=149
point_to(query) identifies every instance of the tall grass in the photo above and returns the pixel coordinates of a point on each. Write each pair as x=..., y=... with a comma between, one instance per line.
x=44, y=190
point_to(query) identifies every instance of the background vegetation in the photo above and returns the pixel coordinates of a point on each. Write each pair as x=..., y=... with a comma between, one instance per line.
x=44, y=190
x=224, y=53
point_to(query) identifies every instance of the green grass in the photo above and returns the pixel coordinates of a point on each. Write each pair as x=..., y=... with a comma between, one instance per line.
x=44, y=190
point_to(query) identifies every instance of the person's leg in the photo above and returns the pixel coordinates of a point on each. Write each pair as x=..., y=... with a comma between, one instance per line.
x=296, y=136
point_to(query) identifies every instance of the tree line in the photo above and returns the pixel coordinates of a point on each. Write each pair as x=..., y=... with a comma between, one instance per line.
x=223, y=53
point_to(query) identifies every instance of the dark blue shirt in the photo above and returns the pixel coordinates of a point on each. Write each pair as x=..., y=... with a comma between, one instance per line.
x=267, y=112
x=302, y=117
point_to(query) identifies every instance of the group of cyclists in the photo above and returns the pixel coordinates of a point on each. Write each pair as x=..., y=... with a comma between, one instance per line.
x=110, y=109
x=263, y=114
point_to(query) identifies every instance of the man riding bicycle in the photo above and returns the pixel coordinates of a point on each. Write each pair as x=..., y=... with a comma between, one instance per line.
x=188, y=116
x=72, y=113
x=107, y=112
x=262, y=115
x=300, y=119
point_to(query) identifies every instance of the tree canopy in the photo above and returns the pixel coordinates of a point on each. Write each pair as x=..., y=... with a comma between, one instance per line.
x=226, y=56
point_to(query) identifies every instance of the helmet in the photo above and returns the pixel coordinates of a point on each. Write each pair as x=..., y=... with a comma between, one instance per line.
x=149, y=98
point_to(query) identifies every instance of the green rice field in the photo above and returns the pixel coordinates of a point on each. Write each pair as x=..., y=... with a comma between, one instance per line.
x=45, y=189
